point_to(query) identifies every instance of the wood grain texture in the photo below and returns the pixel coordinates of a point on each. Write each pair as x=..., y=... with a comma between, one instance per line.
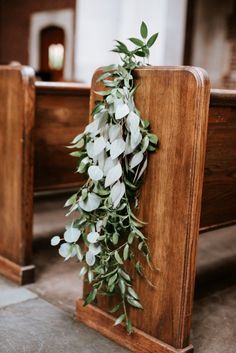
x=176, y=102
x=16, y=174
x=16, y=273
x=219, y=190
x=138, y=342
x=62, y=112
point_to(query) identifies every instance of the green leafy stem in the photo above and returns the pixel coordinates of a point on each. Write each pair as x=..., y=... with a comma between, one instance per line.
x=113, y=152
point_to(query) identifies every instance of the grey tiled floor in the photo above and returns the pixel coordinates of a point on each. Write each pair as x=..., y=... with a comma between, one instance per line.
x=36, y=326
x=39, y=318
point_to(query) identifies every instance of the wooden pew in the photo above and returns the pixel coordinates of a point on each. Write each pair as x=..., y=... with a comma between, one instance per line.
x=219, y=187
x=176, y=101
x=45, y=117
x=37, y=121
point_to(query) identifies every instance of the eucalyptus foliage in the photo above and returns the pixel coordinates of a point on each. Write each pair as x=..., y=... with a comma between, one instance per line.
x=113, y=152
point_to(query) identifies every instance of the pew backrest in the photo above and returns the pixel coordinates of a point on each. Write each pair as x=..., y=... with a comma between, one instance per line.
x=62, y=112
x=219, y=188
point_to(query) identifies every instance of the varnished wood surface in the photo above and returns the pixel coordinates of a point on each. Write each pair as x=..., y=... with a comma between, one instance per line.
x=61, y=114
x=176, y=102
x=16, y=273
x=16, y=172
x=223, y=97
x=219, y=191
x=138, y=342
x=66, y=88
x=52, y=134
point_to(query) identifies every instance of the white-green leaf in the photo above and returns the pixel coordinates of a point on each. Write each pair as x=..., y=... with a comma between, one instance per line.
x=85, y=160
x=79, y=252
x=83, y=271
x=145, y=143
x=117, y=192
x=134, y=303
x=93, y=127
x=132, y=122
x=95, y=173
x=55, y=240
x=95, y=249
x=114, y=132
x=117, y=147
x=112, y=279
x=91, y=203
x=90, y=276
x=128, y=148
x=101, y=159
x=119, y=319
x=142, y=169
x=133, y=293
x=118, y=258
x=64, y=249
x=99, y=145
x=99, y=225
x=121, y=111
x=126, y=252
x=90, y=258
x=136, y=139
x=72, y=235
x=136, y=160
x=93, y=237
x=109, y=164
x=113, y=175
x=90, y=149
x=77, y=138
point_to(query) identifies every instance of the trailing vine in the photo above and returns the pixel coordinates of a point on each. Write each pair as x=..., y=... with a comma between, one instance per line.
x=113, y=152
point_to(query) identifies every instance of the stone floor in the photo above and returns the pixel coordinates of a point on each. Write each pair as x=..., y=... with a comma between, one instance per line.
x=39, y=317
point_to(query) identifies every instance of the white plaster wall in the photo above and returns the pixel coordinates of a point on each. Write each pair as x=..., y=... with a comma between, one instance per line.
x=61, y=18
x=98, y=23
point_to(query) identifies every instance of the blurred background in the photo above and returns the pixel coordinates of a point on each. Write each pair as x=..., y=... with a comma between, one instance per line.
x=68, y=39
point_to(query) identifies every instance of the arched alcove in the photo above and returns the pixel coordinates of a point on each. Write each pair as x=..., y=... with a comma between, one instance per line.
x=61, y=19
x=52, y=44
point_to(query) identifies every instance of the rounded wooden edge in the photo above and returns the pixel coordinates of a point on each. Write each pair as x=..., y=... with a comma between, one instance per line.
x=138, y=342
x=199, y=73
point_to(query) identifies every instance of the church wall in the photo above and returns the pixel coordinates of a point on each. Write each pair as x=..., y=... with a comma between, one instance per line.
x=15, y=26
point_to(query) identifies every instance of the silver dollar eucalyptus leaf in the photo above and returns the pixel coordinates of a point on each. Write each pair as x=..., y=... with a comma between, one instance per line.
x=117, y=148
x=136, y=160
x=72, y=235
x=95, y=173
x=113, y=175
x=93, y=237
x=55, y=240
x=121, y=111
x=117, y=192
x=99, y=145
x=91, y=203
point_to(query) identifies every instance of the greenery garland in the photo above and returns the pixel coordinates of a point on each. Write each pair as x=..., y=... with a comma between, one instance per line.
x=113, y=152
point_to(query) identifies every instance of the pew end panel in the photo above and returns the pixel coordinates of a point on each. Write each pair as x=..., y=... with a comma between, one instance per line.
x=38, y=120
x=16, y=174
x=176, y=101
